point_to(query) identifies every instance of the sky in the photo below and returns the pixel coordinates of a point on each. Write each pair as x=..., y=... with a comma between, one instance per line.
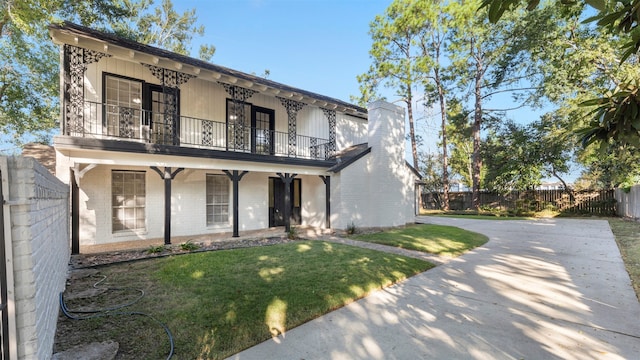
x=316, y=45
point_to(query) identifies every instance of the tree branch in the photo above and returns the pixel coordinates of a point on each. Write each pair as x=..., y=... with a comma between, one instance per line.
x=510, y=90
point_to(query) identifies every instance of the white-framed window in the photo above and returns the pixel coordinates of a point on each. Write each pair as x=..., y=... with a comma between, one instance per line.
x=128, y=200
x=123, y=106
x=217, y=199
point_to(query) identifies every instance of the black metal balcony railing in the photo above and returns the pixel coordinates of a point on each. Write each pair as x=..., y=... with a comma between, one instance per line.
x=106, y=121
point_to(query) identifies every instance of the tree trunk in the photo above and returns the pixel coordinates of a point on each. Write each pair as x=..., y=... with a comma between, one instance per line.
x=412, y=136
x=477, y=122
x=445, y=162
x=412, y=131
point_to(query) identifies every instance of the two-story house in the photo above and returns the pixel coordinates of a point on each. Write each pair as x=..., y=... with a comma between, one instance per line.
x=155, y=144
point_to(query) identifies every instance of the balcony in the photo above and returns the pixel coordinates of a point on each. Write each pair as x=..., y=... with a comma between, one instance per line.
x=111, y=122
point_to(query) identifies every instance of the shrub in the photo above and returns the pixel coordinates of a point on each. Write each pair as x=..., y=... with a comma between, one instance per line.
x=351, y=228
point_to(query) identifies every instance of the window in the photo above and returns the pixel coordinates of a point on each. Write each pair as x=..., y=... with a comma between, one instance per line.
x=123, y=104
x=217, y=199
x=128, y=200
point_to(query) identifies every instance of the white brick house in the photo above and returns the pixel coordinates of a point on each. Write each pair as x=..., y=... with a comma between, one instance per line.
x=155, y=144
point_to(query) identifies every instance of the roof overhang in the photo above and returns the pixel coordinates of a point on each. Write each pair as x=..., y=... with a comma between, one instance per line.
x=120, y=48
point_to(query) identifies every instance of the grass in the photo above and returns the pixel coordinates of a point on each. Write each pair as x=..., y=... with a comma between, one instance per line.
x=627, y=234
x=219, y=303
x=435, y=239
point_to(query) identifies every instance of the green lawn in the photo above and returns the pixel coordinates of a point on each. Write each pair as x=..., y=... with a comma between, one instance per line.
x=435, y=239
x=219, y=303
x=627, y=234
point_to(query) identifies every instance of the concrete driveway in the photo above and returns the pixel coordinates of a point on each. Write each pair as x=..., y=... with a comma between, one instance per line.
x=539, y=289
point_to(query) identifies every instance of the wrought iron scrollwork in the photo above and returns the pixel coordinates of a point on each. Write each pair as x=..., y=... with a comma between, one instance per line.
x=207, y=133
x=331, y=116
x=170, y=80
x=127, y=127
x=76, y=61
x=239, y=95
x=292, y=108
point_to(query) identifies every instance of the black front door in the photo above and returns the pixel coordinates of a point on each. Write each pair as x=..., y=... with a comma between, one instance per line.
x=276, y=202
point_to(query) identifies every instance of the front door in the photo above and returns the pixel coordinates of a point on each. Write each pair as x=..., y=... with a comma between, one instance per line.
x=276, y=202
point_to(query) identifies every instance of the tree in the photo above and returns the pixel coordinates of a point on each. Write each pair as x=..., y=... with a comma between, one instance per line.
x=28, y=60
x=395, y=36
x=163, y=27
x=520, y=156
x=461, y=142
x=432, y=179
x=616, y=115
x=29, y=72
x=432, y=46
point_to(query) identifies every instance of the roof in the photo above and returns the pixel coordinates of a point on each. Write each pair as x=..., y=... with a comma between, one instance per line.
x=353, y=153
x=70, y=33
x=348, y=156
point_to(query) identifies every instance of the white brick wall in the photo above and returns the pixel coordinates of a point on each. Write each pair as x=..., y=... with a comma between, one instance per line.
x=188, y=207
x=39, y=206
x=378, y=189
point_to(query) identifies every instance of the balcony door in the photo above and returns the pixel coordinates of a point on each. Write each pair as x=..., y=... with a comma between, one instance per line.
x=262, y=136
x=250, y=128
x=161, y=120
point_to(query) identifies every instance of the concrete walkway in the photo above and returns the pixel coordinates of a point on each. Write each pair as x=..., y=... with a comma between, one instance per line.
x=544, y=289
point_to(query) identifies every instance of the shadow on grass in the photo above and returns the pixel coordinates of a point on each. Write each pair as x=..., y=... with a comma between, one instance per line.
x=219, y=303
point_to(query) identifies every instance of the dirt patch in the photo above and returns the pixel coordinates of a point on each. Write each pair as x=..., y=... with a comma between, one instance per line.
x=81, y=261
x=87, y=291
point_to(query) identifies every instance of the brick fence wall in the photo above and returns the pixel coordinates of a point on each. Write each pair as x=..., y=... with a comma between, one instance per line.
x=39, y=217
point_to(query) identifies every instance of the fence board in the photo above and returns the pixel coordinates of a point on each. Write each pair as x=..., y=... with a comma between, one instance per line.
x=597, y=202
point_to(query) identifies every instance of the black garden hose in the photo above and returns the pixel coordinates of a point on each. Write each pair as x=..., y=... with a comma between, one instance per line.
x=111, y=312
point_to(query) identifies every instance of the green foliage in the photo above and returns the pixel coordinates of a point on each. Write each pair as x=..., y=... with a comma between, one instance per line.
x=519, y=156
x=189, y=246
x=29, y=80
x=292, y=234
x=163, y=27
x=352, y=229
x=28, y=60
x=615, y=117
x=157, y=249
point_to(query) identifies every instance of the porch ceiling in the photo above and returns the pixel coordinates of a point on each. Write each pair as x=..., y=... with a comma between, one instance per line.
x=127, y=50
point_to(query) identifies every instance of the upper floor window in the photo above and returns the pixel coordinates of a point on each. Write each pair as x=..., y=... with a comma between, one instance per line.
x=123, y=105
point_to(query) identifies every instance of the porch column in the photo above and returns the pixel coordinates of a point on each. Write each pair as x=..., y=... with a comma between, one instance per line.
x=170, y=80
x=292, y=107
x=235, y=176
x=167, y=176
x=75, y=61
x=327, y=189
x=75, y=214
x=287, y=179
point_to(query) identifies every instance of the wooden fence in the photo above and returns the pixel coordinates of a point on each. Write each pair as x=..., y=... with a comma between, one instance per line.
x=601, y=202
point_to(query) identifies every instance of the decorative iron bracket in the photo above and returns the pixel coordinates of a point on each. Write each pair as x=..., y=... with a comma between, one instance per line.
x=292, y=108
